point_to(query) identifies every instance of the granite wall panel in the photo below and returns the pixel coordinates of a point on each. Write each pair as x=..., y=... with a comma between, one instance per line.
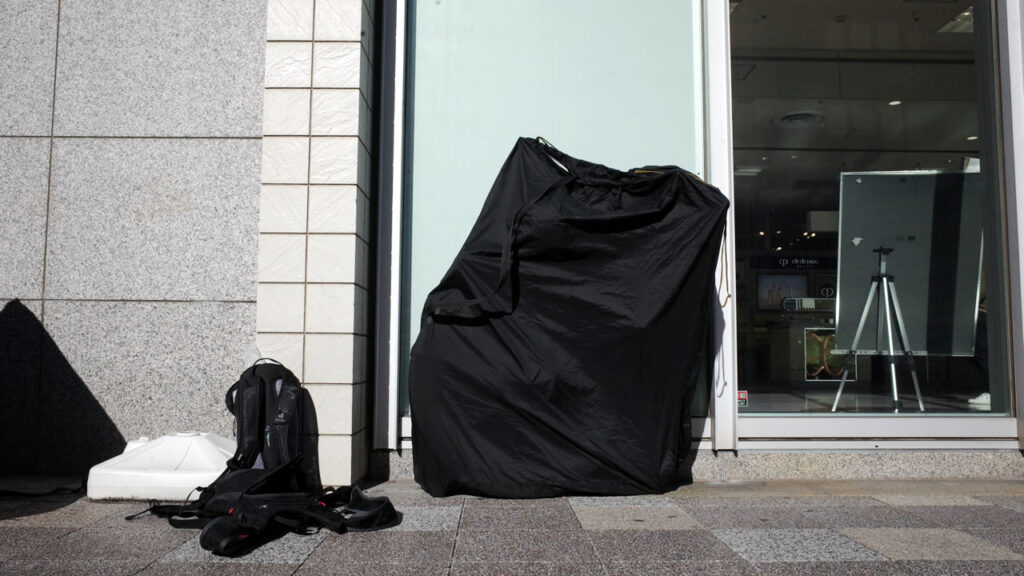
x=152, y=68
x=120, y=370
x=153, y=219
x=28, y=41
x=24, y=164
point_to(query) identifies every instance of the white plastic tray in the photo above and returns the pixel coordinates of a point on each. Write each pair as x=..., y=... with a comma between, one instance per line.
x=166, y=468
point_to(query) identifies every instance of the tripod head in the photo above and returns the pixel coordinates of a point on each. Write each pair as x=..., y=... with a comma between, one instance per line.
x=882, y=251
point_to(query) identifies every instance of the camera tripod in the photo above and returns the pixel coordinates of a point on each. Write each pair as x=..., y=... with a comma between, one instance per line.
x=887, y=298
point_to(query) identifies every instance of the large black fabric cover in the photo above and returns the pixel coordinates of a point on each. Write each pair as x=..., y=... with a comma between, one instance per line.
x=560, y=352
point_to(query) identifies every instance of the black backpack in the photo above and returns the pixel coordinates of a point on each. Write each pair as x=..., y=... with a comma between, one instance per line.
x=275, y=422
x=272, y=484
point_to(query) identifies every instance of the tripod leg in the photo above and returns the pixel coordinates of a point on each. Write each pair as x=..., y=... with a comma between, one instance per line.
x=907, y=352
x=896, y=404
x=917, y=387
x=851, y=353
x=864, y=316
x=840, y=392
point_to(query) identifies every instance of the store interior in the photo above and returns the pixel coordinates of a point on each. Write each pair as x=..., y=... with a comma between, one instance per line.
x=827, y=88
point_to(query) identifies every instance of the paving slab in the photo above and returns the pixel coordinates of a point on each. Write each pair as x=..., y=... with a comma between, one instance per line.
x=114, y=539
x=963, y=568
x=751, y=488
x=357, y=567
x=1015, y=503
x=422, y=548
x=547, y=514
x=66, y=567
x=928, y=544
x=1010, y=538
x=969, y=516
x=826, y=501
x=931, y=500
x=715, y=517
x=881, y=487
x=526, y=569
x=62, y=512
x=866, y=517
x=778, y=501
x=634, y=518
x=795, y=545
x=289, y=549
x=660, y=546
x=619, y=501
x=429, y=518
x=499, y=503
x=863, y=568
x=217, y=569
x=978, y=486
x=522, y=546
x=664, y=568
x=28, y=542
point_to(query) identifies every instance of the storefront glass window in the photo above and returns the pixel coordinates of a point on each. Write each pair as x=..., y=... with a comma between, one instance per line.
x=867, y=180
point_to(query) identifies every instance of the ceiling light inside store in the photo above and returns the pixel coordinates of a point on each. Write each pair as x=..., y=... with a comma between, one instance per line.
x=895, y=103
x=801, y=120
x=972, y=138
x=962, y=23
x=748, y=170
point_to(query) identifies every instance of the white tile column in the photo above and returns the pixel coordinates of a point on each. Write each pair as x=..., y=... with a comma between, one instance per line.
x=315, y=237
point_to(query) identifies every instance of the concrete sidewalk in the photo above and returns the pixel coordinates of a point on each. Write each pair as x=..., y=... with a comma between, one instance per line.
x=869, y=527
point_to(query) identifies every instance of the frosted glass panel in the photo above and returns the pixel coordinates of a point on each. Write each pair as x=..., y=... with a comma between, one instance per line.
x=613, y=82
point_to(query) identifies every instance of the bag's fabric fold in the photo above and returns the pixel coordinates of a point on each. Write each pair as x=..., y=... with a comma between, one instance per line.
x=560, y=351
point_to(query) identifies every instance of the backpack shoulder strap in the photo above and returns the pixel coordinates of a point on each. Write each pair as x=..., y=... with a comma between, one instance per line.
x=245, y=400
x=170, y=512
x=283, y=417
